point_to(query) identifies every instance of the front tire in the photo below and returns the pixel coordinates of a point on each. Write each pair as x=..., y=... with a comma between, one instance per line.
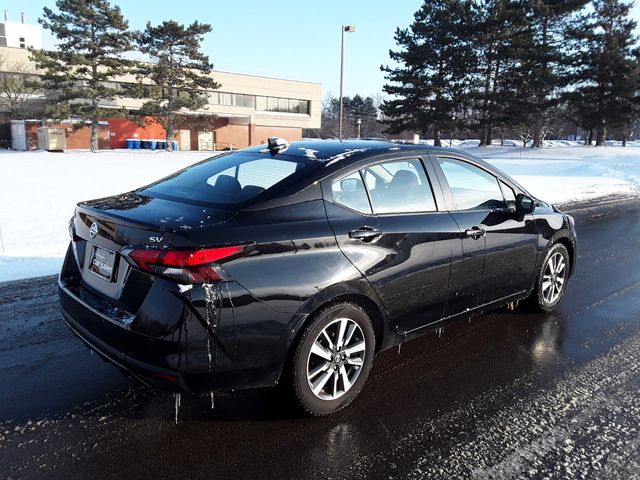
x=333, y=359
x=552, y=279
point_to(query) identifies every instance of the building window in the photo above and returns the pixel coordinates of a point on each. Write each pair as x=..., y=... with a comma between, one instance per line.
x=260, y=103
x=247, y=101
x=285, y=105
x=22, y=42
x=226, y=98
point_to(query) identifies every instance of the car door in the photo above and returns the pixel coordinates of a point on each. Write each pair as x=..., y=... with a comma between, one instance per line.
x=386, y=221
x=499, y=244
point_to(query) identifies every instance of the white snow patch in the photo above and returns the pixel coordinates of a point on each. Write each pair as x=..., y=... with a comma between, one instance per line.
x=39, y=190
x=559, y=174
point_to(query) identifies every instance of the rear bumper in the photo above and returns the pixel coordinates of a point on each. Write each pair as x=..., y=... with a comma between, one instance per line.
x=151, y=375
x=168, y=342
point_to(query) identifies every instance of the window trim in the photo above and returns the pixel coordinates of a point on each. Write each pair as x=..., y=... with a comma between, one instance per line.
x=506, y=202
x=424, y=161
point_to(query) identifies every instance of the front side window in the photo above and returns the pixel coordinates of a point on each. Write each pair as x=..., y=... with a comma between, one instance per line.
x=399, y=186
x=471, y=187
x=349, y=192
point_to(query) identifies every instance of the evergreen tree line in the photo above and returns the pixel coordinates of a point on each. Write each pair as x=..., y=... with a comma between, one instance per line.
x=364, y=110
x=80, y=76
x=491, y=65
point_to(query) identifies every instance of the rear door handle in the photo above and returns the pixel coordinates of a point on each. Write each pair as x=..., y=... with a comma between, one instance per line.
x=366, y=234
x=474, y=232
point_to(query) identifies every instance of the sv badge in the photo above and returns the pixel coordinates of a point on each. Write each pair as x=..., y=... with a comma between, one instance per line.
x=155, y=239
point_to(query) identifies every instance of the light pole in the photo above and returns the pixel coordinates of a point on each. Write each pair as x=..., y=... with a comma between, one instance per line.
x=359, y=123
x=345, y=28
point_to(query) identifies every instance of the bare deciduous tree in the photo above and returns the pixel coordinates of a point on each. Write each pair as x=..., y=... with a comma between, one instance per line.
x=18, y=85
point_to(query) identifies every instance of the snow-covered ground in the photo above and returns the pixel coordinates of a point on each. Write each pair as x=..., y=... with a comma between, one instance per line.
x=568, y=173
x=38, y=190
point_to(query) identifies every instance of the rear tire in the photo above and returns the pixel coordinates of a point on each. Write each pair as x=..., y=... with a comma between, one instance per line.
x=332, y=359
x=551, y=283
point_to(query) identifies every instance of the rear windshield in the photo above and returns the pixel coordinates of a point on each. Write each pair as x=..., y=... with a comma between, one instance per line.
x=230, y=179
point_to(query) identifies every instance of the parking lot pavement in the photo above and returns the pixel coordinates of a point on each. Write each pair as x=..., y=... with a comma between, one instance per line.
x=505, y=395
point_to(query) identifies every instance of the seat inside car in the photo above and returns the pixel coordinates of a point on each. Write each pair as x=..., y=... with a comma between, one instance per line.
x=250, y=191
x=228, y=187
x=402, y=187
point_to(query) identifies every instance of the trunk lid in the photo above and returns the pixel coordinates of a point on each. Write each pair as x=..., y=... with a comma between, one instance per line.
x=106, y=228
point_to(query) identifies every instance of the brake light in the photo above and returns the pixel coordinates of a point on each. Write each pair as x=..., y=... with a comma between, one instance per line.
x=186, y=266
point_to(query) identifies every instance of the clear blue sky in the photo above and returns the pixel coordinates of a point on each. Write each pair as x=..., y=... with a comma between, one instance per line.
x=296, y=39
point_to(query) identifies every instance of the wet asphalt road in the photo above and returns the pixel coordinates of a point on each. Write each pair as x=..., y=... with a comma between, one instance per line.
x=506, y=395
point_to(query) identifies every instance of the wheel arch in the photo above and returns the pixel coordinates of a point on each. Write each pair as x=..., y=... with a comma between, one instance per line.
x=360, y=296
x=563, y=237
x=568, y=244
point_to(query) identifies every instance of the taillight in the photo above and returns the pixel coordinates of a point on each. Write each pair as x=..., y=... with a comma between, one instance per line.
x=186, y=266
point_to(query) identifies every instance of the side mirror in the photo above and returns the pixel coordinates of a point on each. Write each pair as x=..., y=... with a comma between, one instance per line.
x=525, y=204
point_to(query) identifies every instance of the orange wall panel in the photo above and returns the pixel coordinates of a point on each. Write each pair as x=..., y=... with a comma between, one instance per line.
x=123, y=128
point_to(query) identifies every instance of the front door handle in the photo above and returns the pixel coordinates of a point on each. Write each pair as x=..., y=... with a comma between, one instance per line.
x=366, y=234
x=475, y=232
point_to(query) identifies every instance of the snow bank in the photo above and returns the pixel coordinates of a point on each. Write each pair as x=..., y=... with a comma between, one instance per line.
x=39, y=190
x=565, y=175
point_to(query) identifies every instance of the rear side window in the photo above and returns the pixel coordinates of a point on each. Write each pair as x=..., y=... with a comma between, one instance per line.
x=399, y=186
x=232, y=179
x=471, y=187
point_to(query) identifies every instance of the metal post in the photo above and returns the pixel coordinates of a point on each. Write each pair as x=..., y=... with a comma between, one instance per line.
x=359, y=123
x=341, y=77
x=345, y=28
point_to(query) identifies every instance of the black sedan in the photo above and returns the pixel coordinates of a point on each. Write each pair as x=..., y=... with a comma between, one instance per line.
x=298, y=262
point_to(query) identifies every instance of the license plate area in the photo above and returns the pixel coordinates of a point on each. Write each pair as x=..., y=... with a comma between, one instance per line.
x=102, y=263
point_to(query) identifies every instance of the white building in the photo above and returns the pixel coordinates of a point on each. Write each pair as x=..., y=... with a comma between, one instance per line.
x=20, y=35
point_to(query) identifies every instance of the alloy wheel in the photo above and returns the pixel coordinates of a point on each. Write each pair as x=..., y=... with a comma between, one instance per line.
x=336, y=359
x=554, y=278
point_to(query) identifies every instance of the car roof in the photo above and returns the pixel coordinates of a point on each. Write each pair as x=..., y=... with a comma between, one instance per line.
x=343, y=153
x=327, y=150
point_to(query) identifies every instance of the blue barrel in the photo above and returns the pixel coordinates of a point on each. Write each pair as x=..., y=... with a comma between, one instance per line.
x=129, y=144
x=175, y=145
x=162, y=145
x=152, y=144
x=136, y=144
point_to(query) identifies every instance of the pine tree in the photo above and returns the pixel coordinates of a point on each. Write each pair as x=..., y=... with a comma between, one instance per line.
x=604, y=74
x=178, y=76
x=543, y=60
x=429, y=85
x=500, y=37
x=80, y=73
